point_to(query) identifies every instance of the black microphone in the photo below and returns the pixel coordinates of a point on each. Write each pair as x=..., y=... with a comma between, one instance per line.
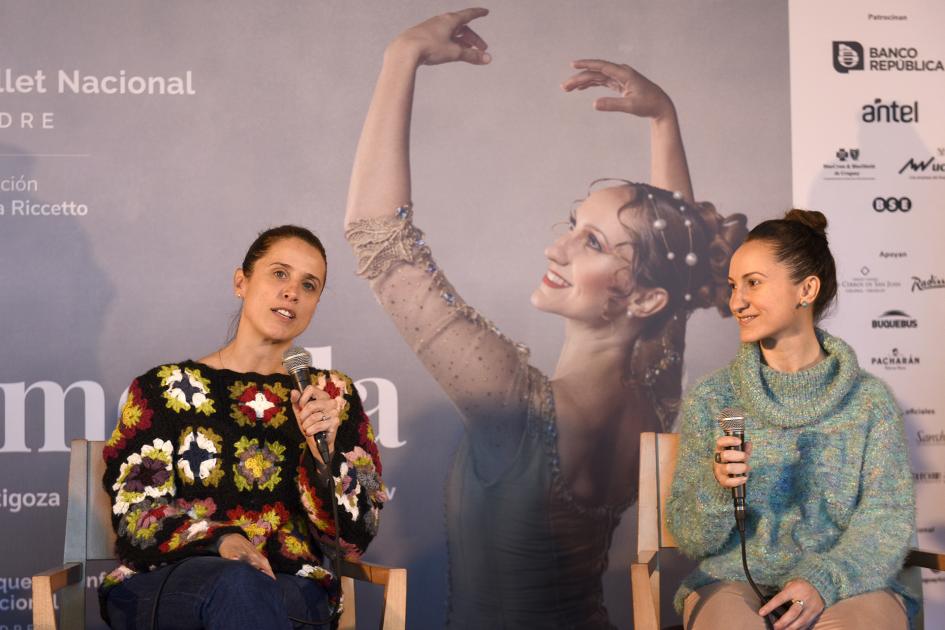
x=297, y=362
x=732, y=422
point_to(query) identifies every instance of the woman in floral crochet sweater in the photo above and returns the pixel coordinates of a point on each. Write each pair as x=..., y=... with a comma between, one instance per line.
x=830, y=504
x=221, y=500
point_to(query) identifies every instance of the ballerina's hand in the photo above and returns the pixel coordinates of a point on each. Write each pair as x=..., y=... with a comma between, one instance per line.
x=638, y=95
x=445, y=38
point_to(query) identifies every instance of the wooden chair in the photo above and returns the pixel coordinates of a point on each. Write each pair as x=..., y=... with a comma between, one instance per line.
x=89, y=536
x=657, y=464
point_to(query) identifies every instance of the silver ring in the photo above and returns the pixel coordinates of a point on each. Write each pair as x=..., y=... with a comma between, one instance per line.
x=325, y=417
x=799, y=602
x=718, y=457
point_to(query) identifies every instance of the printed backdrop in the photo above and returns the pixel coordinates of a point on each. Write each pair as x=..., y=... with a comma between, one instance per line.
x=143, y=145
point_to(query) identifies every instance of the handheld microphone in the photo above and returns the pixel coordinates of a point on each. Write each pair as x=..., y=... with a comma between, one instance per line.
x=297, y=362
x=732, y=422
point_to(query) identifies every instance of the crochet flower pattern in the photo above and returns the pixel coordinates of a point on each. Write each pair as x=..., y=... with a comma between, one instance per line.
x=144, y=520
x=147, y=473
x=255, y=404
x=258, y=465
x=186, y=389
x=336, y=385
x=259, y=525
x=199, y=452
x=135, y=416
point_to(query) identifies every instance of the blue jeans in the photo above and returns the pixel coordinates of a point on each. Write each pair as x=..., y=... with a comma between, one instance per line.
x=213, y=593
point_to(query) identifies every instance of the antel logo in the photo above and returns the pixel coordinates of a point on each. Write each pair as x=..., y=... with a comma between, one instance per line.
x=880, y=112
x=847, y=56
x=892, y=204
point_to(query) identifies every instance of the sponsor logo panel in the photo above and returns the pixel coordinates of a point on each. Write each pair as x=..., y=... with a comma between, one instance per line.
x=853, y=56
x=866, y=281
x=895, y=319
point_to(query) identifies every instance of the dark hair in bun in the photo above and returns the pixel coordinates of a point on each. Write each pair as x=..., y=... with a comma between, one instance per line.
x=799, y=241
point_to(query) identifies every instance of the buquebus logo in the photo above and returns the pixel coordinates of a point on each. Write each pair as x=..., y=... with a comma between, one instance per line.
x=892, y=112
x=895, y=319
x=895, y=360
x=892, y=204
x=849, y=56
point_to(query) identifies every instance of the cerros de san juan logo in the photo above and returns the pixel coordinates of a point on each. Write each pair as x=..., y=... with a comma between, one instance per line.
x=865, y=281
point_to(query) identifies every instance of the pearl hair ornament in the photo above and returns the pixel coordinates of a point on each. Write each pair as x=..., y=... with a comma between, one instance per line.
x=659, y=224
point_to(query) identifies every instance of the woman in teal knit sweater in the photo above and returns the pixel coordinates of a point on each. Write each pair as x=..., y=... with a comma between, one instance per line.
x=830, y=504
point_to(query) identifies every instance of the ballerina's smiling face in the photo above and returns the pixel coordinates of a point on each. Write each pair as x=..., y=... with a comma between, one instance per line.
x=588, y=276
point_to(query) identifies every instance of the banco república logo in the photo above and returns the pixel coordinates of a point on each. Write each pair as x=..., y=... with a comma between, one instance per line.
x=847, y=56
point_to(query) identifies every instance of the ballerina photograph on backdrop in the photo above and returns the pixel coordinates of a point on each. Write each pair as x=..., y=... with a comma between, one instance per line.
x=539, y=483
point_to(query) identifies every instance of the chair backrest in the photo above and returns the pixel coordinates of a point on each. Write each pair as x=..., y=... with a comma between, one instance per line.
x=89, y=532
x=657, y=465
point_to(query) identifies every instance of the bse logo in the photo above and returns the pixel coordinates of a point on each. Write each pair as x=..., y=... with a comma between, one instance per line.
x=892, y=204
x=847, y=56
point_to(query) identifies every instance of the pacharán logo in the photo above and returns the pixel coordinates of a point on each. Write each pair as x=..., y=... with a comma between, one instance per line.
x=933, y=282
x=895, y=360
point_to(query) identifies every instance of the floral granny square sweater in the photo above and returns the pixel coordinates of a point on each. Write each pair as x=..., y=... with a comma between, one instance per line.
x=199, y=453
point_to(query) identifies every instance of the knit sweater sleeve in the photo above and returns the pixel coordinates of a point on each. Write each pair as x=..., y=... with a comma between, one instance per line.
x=355, y=474
x=699, y=510
x=871, y=550
x=154, y=527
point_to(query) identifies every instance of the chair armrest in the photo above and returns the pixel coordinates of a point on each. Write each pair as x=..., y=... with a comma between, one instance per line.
x=647, y=558
x=47, y=583
x=925, y=559
x=394, y=581
x=367, y=572
x=643, y=573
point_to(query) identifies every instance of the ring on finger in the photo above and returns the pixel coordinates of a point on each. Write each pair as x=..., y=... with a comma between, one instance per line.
x=325, y=417
x=799, y=602
x=718, y=457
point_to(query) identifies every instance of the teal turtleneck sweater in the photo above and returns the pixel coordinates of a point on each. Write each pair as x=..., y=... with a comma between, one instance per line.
x=830, y=497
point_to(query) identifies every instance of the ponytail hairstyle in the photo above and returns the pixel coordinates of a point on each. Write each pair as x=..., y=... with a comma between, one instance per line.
x=258, y=249
x=799, y=242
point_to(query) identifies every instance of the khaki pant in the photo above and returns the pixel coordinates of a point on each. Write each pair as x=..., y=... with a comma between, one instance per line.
x=725, y=605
